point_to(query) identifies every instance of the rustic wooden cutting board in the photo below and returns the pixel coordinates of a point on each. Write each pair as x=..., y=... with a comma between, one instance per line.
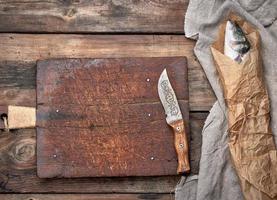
x=103, y=117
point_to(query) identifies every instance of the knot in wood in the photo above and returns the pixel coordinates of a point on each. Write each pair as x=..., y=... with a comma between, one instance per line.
x=24, y=151
x=70, y=12
x=10, y=93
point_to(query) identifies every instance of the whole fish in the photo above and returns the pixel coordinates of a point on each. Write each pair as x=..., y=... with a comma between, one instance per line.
x=236, y=45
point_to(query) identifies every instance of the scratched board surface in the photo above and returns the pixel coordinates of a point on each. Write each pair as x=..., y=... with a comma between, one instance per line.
x=103, y=117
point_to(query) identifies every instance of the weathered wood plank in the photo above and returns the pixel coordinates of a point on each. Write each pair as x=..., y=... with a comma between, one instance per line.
x=19, y=53
x=87, y=16
x=86, y=196
x=18, y=168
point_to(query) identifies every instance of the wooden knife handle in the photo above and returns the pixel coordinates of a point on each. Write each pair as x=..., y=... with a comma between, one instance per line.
x=181, y=146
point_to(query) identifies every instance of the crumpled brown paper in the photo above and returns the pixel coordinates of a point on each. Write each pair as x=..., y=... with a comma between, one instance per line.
x=251, y=141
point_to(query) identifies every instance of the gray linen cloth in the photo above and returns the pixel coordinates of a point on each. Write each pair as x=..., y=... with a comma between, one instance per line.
x=217, y=178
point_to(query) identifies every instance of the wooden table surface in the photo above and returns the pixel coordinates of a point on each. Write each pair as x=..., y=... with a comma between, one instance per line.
x=33, y=30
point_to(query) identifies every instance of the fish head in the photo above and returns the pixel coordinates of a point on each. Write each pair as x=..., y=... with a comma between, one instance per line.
x=235, y=40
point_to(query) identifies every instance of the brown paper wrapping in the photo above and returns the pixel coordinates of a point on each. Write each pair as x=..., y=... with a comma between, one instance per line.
x=251, y=141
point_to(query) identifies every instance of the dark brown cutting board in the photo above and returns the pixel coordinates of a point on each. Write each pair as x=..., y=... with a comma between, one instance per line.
x=103, y=117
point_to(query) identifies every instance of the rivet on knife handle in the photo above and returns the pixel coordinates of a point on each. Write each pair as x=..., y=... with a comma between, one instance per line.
x=175, y=120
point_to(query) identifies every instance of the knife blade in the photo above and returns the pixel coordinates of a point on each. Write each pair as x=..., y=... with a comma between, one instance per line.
x=174, y=119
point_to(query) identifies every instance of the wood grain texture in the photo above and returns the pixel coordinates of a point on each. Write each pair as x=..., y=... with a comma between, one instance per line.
x=85, y=16
x=87, y=196
x=19, y=52
x=103, y=117
x=18, y=57
x=18, y=168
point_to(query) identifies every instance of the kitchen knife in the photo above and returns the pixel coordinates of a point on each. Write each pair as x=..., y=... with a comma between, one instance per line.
x=175, y=120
